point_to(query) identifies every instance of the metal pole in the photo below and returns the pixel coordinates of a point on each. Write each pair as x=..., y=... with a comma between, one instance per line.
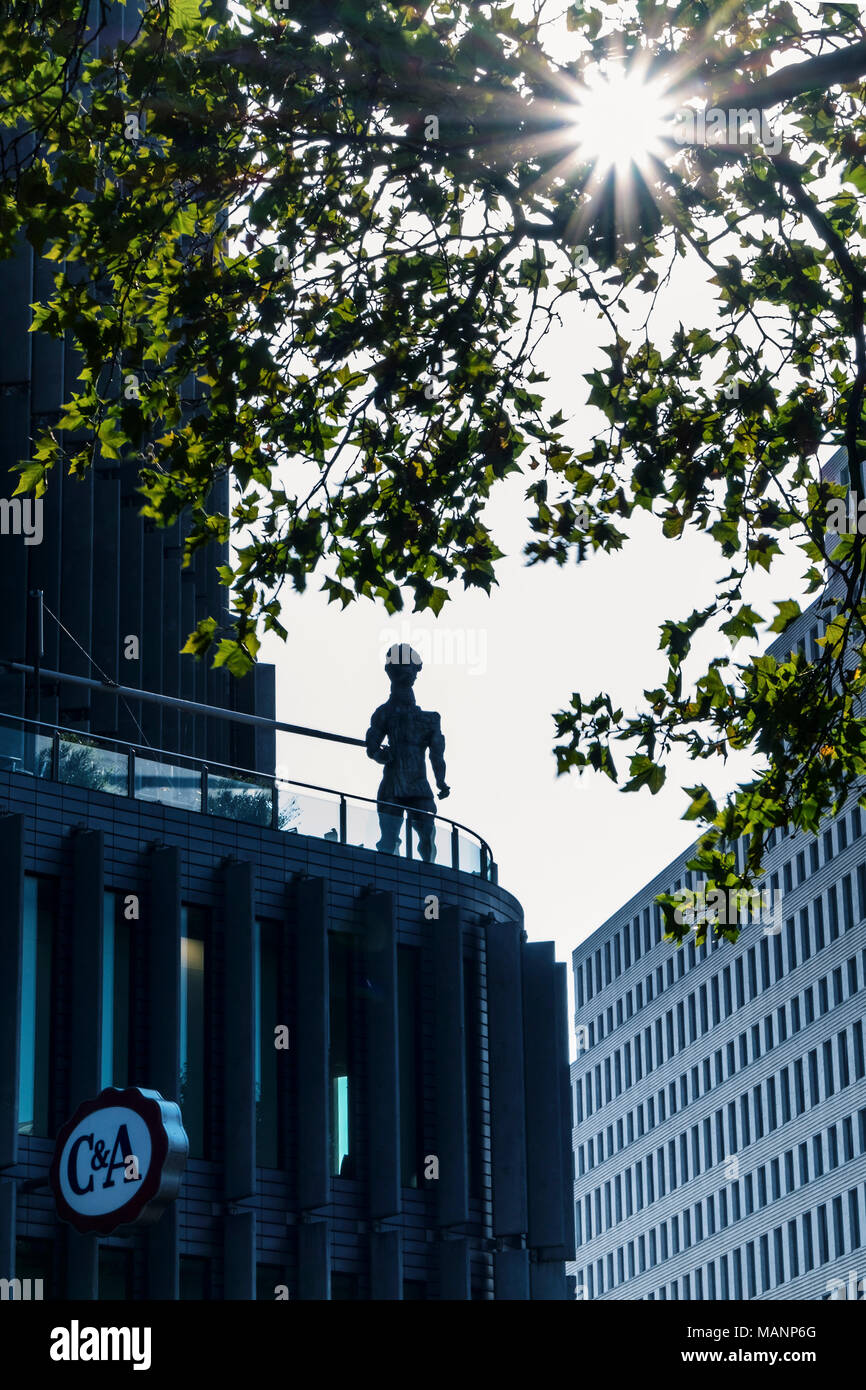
x=37, y=638
x=188, y=706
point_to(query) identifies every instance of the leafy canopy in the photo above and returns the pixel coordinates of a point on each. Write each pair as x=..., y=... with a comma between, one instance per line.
x=354, y=223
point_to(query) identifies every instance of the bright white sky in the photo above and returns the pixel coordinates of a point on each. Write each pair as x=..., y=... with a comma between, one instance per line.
x=571, y=849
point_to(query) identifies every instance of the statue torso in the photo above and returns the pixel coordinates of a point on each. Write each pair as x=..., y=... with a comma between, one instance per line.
x=408, y=730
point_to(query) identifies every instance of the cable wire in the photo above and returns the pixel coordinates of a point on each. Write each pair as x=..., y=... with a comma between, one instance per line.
x=108, y=679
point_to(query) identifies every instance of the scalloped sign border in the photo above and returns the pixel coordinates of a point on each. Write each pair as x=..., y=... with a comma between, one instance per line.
x=159, y=1185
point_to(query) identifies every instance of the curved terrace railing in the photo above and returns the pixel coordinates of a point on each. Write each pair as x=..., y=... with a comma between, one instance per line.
x=173, y=779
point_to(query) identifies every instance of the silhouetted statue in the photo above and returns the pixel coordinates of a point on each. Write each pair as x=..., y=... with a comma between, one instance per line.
x=412, y=733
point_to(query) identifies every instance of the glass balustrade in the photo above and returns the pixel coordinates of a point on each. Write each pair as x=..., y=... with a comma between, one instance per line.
x=169, y=783
x=362, y=825
x=84, y=763
x=101, y=765
x=240, y=798
x=309, y=813
x=469, y=853
x=22, y=750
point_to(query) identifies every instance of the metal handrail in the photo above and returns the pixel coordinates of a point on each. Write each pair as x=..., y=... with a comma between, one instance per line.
x=204, y=769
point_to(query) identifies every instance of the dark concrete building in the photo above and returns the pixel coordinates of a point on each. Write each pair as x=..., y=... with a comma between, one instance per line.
x=418, y=1044
x=370, y=1058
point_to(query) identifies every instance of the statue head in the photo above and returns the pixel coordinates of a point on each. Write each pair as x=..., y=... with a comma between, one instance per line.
x=402, y=664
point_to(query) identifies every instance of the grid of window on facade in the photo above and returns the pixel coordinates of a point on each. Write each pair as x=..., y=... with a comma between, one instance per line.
x=750, y=1054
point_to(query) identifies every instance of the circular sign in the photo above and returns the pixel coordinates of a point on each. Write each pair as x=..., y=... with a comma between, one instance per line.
x=118, y=1160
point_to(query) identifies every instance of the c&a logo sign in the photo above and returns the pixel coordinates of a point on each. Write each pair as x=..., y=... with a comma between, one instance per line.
x=119, y=1160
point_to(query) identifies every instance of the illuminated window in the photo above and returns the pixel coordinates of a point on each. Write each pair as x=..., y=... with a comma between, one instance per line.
x=116, y=991
x=34, y=1072
x=341, y=1055
x=194, y=923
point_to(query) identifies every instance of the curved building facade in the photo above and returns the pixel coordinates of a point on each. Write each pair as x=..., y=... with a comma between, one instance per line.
x=370, y=1057
x=720, y=1091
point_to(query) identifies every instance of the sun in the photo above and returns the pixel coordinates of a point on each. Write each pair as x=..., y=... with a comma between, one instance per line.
x=620, y=119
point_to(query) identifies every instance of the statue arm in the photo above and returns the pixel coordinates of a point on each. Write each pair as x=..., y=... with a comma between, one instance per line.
x=436, y=746
x=375, y=738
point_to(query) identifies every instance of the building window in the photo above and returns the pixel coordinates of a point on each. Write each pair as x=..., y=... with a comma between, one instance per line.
x=834, y=911
x=764, y=1257
x=751, y=1284
x=472, y=1035
x=116, y=991
x=34, y=1072
x=808, y=1252
x=792, y=944
x=848, y=902
x=194, y=924
x=194, y=1278
x=829, y=1088
x=744, y=1120
x=805, y=944
x=759, y=1115
x=267, y=1057
x=34, y=1260
x=115, y=1274
x=823, y=1237
x=341, y=1056
x=842, y=1054
x=785, y=1088
x=854, y=1217
x=409, y=1007
x=814, y=1092
x=818, y=906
